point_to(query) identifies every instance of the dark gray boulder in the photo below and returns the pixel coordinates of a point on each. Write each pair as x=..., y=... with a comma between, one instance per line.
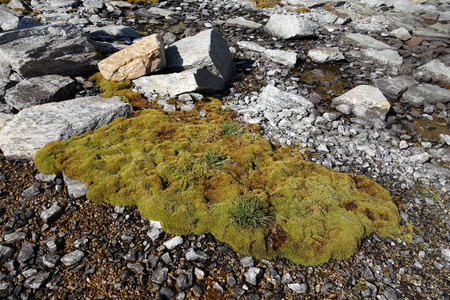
x=58, y=48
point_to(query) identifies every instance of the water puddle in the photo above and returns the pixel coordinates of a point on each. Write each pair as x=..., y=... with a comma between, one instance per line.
x=430, y=129
x=329, y=81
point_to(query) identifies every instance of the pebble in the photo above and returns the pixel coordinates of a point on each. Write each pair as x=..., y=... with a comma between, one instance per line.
x=72, y=257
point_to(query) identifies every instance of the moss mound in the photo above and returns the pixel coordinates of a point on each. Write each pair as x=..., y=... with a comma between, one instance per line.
x=213, y=174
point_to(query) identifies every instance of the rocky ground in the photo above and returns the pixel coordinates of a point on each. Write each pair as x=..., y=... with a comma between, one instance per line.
x=55, y=247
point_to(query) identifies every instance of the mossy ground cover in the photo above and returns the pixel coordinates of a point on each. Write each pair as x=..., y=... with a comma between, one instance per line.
x=214, y=174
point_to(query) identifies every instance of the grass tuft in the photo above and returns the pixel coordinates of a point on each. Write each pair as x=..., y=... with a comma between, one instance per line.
x=248, y=212
x=230, y=129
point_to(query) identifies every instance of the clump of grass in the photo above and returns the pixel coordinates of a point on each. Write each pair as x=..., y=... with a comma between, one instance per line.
x=214, y=159
x=248, y=212
x=230, y=129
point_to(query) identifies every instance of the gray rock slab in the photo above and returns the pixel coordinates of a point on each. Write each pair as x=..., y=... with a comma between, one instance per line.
x=6, y=252
x=426, y=93
x=52, y=214
x=75, y=188
x=323, y=55
x=207, y=49
x=195, y=80
x=395, y=87
x=72, y=257
x=4, y=119
x=37, y=281
x=36, y=126
x=386, y=57
x=430, y=34
x=286, y=58
x=58, y=48
x=116, y=31
x=438, y=71
x=240, y=21
x=251, y=46
x=366, y=101
x=365, y=41
x=291, y=26
x=278, y=99
x=27, y=252
x=8, y=18
x=161, y=12
x=49, y=88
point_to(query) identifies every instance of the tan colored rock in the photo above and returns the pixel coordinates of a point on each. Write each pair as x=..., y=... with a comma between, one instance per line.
x=143, y=57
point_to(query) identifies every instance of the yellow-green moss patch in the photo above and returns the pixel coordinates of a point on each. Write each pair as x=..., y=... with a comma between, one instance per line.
x=122, y=89
x=189, y=173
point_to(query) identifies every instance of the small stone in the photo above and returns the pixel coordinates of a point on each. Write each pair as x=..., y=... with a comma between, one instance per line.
x=299, y=288
x=45, y=177
x=168, y=292
x=14, y=236
x=192, y=255
x=50, y=260
x=80, y=242
x=174, y=242
x=231, y=280
x=37, y=281
x=55, y=243
x=198, y=291
x=401, y=33
x=6, y=252
x=27, y=253
x=72, y=257
x=253, y=275
x=136, y=267
x=32, y=191
x=389, y=293
x=185, y=280
x=218, y=288
x=53, y=213
x=160, y=275
x=199, y=273
x=287, y=279
x=446, y=254
x=154, y=233
x=166, y=258
x=247, y=261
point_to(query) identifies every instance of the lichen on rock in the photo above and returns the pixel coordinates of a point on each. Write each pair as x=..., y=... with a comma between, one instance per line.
x=188, y=173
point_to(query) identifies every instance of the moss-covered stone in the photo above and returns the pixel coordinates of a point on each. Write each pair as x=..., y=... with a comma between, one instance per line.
x=187, y=172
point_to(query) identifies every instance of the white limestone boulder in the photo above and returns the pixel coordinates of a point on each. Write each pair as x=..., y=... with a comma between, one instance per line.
x=365, y=101
x=34, y=127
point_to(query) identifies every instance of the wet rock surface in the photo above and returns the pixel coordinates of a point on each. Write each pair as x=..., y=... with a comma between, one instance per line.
x=55, y=246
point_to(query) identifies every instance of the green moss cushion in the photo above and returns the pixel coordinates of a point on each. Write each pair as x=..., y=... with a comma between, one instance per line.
x=212, y=174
